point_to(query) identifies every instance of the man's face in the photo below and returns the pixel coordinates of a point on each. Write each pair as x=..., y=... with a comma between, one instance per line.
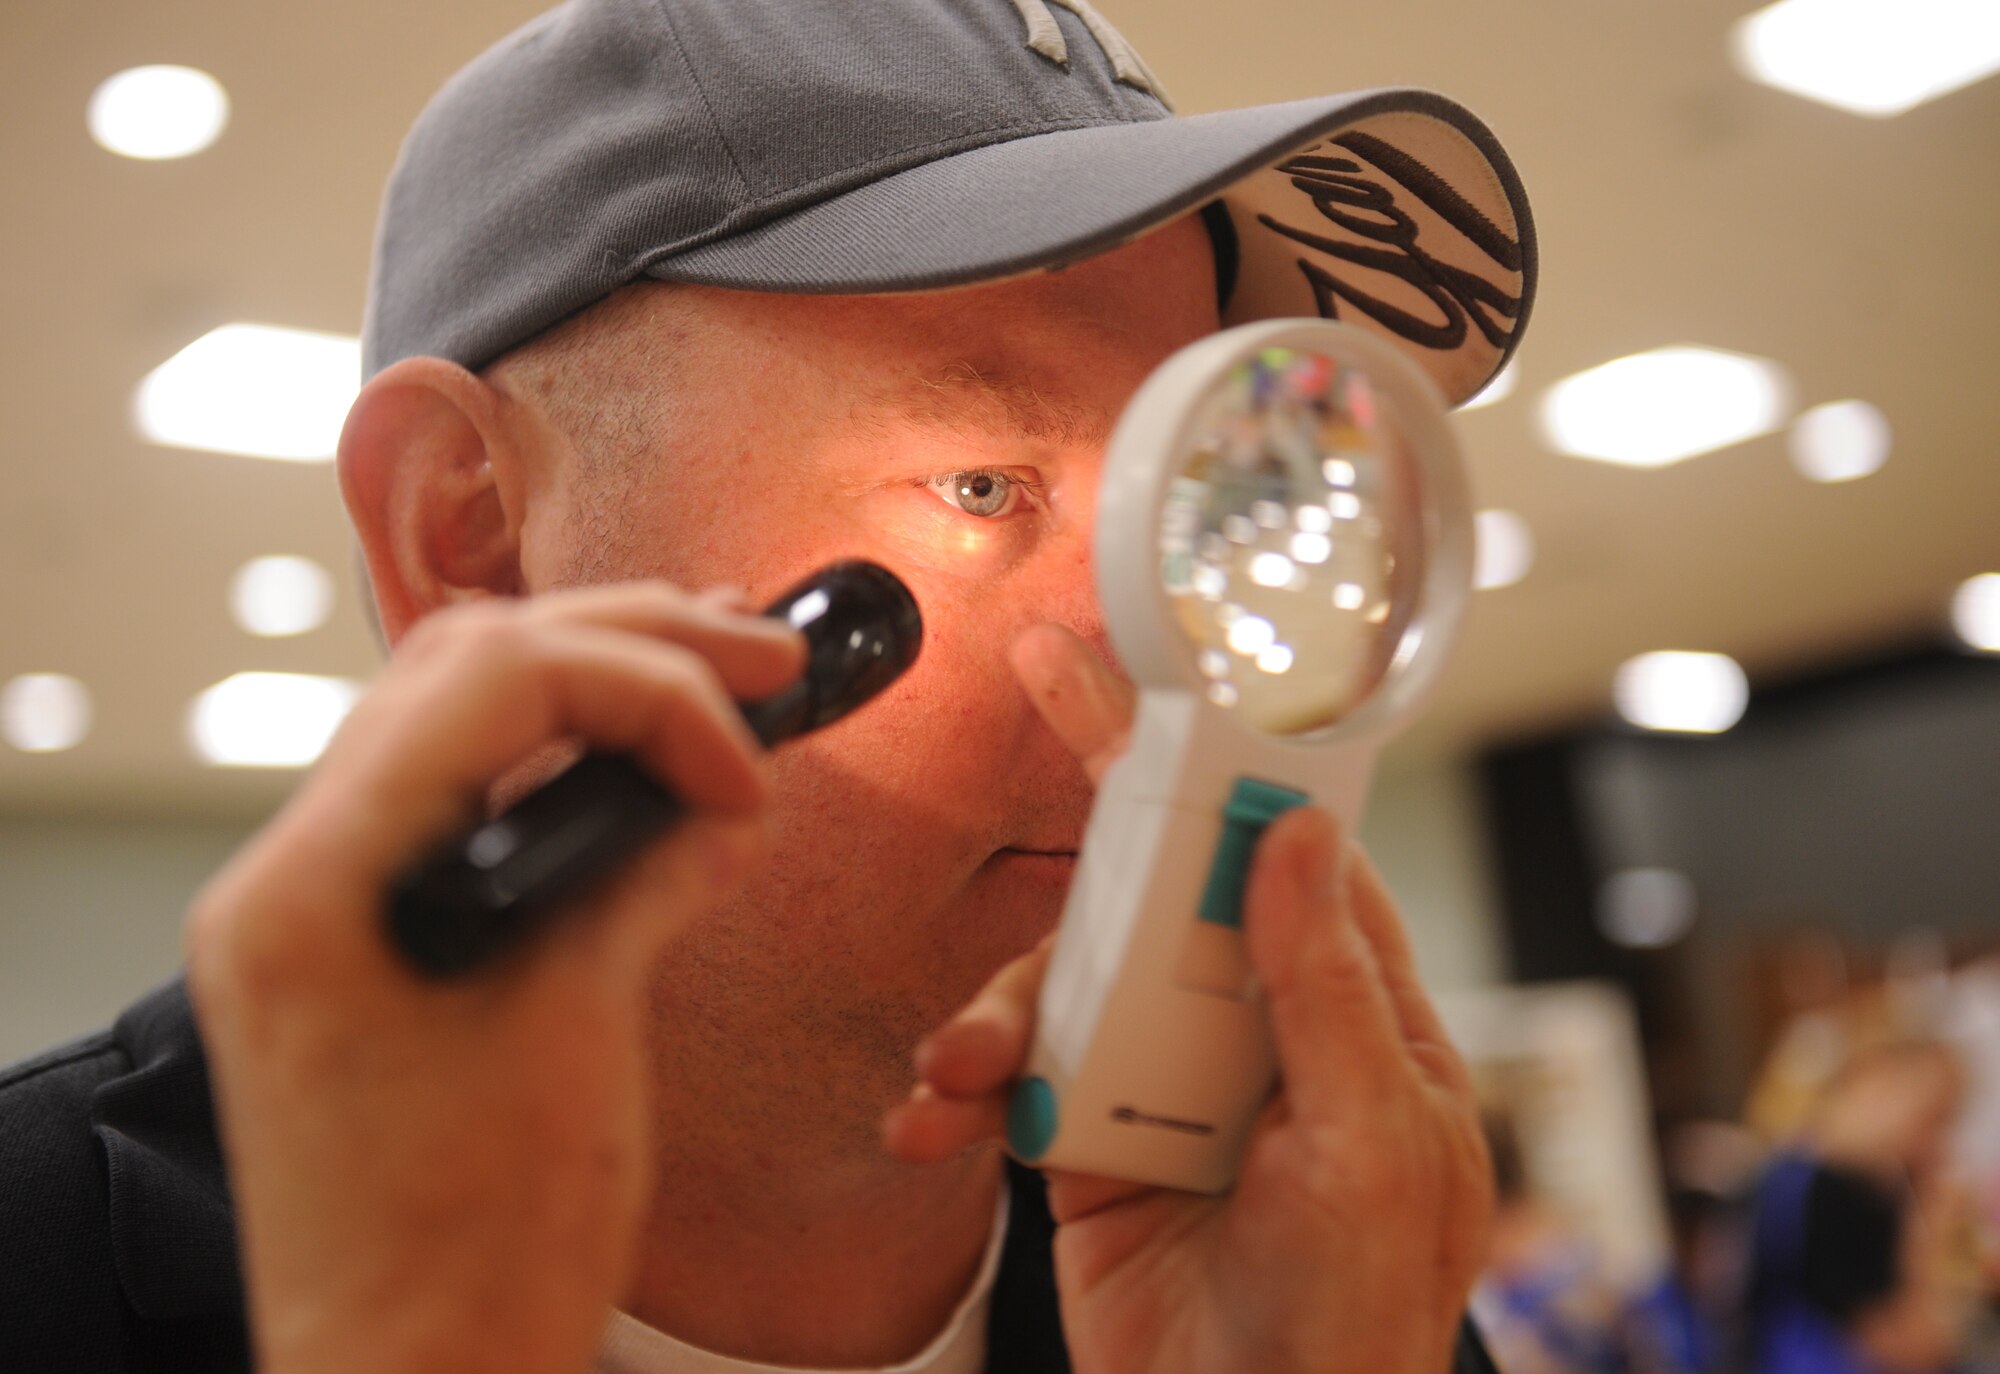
x=957, y=438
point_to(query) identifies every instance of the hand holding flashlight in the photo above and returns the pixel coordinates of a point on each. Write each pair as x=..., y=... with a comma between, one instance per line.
x=314, y=1023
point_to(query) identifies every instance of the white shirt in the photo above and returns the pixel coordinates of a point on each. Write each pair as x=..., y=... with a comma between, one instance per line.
x=632, y=1347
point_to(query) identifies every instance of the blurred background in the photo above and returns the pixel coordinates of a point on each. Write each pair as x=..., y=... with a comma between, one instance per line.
x=1697, y=841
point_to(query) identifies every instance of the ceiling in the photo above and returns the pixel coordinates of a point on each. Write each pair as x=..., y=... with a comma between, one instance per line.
x=1676, y=203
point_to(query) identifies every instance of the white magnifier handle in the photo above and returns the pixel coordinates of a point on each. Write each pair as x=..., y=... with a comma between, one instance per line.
x=1283, y=554
x=1153, y=1050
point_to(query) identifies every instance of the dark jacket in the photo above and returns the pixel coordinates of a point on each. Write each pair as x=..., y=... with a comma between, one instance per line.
x=118, y=1251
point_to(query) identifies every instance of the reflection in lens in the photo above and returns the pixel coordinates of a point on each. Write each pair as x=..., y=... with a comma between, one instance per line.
x=1292, y=543
x=1271, y=570
x=1250, y=634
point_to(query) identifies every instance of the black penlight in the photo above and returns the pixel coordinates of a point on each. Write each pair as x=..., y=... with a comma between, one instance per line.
x=488, y=889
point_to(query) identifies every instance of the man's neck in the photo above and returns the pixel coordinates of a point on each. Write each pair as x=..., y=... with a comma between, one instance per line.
x=826, y=1268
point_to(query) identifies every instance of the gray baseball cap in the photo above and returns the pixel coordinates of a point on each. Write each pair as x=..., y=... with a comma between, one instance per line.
x=906, y=145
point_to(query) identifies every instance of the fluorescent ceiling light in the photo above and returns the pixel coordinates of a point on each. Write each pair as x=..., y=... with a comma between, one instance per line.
x=41, y=713
x=1840, y=441
x=1975, y=612
x=1499, y=389
x=1503, y=549
x=254, y=389
x=1652, y=409
x=1700, y=694
x=1872, y=57
x=281, y=595
x=158, y=112
x=268, y=720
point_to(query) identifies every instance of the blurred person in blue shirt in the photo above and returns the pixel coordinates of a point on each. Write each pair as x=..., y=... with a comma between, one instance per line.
x=1541, y=1302
x=1686, y=1322
x=1856, y=1230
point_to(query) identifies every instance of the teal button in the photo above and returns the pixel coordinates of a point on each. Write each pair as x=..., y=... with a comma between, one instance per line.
x=1031, y=1118
x=1252, y=805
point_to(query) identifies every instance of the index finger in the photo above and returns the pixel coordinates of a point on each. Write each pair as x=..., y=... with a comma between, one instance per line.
x=755, y=654
x=1087, y=705
x=415, y=758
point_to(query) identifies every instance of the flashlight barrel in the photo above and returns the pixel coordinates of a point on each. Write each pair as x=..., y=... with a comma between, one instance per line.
x=486, y=892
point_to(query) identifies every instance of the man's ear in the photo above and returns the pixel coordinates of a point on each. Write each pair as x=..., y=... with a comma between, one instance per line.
x=436, y=487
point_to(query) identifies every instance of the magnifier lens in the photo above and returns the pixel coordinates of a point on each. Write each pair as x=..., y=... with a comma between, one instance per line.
x=1292, y=542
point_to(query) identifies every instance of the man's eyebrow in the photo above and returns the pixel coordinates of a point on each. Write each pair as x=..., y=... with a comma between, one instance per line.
x=966, y=398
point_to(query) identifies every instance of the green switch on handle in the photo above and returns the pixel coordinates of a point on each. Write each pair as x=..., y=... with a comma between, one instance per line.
x=1252, y=805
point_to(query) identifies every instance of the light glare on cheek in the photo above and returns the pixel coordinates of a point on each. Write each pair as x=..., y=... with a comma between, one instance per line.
x=932, y=526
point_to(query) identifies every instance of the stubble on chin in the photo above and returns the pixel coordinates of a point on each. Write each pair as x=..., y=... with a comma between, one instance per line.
x=797, y=1032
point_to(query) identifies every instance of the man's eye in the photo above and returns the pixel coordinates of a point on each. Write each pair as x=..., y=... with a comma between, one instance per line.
x=982, y=491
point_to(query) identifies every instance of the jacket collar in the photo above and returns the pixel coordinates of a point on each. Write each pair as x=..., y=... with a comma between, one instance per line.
x=172, y=1234
x=1024, y=1325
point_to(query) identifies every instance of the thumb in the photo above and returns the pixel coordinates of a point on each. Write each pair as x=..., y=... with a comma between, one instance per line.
x=1339, y=1050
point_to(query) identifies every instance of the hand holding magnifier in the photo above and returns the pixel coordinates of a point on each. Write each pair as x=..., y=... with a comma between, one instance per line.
x=1283, y=553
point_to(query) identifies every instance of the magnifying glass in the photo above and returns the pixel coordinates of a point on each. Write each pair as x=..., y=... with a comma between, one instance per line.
x=1283, y=552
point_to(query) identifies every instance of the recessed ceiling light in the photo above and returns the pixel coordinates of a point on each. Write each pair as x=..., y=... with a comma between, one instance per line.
x=1701, y=694
x=1975, y=612
x=255, y=389
x=1840, y=441
x=281, y=595
x=1871, y=57
x=1503, y=549
x=1499, y=389
x=41, y=713
x=158, y=112
x=1656, y=408
x=268, y=720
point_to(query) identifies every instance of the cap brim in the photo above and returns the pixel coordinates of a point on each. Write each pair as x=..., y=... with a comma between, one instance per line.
x=1396, y=210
